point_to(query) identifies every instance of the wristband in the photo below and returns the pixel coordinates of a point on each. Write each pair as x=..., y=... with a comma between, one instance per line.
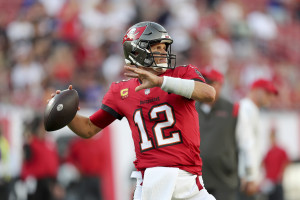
x=183, y=87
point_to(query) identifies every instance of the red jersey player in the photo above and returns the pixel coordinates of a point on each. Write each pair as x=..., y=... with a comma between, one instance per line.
x=159, y=104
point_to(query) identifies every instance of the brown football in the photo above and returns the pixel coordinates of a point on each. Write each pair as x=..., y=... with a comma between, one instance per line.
x=61, y=109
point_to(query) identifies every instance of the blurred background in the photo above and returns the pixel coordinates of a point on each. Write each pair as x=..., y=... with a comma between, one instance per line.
x=47, y=45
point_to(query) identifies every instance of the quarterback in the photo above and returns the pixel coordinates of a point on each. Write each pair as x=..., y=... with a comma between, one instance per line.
x=159, y=103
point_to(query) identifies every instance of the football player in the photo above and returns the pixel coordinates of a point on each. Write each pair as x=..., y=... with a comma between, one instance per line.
x=159, y=104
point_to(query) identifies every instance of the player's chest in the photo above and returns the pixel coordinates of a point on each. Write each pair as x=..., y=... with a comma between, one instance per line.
x=145, y=100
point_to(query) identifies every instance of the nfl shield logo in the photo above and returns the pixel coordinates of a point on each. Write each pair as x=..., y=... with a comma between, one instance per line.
x=147, y=91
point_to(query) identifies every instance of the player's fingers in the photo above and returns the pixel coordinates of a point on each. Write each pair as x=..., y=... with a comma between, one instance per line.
x=140, y=87
x=134, y=69
x=57, y=91
x=52, y=95
x=129, y=67
x=78, y=108
x=140, y=71
x=70, y=87
x=131, y=75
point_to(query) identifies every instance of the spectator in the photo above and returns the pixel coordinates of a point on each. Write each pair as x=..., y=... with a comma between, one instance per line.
x=225, y=32
x=20, y=29
x=261, y=93
x=274, y=164
x=61, y=65
x=218, y=147
x=27, y=73
x=27, y=77
x=40, y=163
x=89, y=167
x=262, y=25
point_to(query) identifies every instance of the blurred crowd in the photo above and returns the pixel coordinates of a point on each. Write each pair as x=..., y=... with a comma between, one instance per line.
x=47, y=45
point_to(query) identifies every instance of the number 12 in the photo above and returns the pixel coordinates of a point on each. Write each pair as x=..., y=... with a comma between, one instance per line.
x=158, y=129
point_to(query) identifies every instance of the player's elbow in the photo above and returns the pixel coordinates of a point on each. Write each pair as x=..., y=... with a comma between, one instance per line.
x=87, y=135
x=211, y=95
x=84, y=131
x=208, y=95
x=204, y=93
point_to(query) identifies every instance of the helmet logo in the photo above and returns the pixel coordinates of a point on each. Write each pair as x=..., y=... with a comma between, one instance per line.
x=134, y=33
x=166, y=36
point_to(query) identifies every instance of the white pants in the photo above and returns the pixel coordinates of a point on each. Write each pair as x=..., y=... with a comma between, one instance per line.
x=166, y=183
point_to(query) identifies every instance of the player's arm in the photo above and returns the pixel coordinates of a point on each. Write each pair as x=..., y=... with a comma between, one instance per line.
x=83, y=127
x=191, y=89
x=88, y=127
x=80, y=125
x=203, y=92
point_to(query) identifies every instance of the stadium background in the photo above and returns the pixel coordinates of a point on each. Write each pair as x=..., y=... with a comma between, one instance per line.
x=47, y=45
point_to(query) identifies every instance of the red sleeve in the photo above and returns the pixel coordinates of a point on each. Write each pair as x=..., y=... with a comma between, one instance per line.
x=109, y=110
x=191, y=72
x=102, y=118
x=112, y=100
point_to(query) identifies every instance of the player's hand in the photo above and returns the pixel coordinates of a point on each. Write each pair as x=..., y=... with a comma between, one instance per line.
x=58, y=92
x=149, y=80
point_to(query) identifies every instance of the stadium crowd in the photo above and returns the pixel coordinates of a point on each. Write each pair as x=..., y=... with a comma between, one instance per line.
x=50, y=44
x=47, y=45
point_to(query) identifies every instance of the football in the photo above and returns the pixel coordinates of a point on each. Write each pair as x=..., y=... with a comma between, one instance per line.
x=61, y=109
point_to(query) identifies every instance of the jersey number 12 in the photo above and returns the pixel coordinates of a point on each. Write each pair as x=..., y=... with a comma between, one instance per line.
x=158, y=129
